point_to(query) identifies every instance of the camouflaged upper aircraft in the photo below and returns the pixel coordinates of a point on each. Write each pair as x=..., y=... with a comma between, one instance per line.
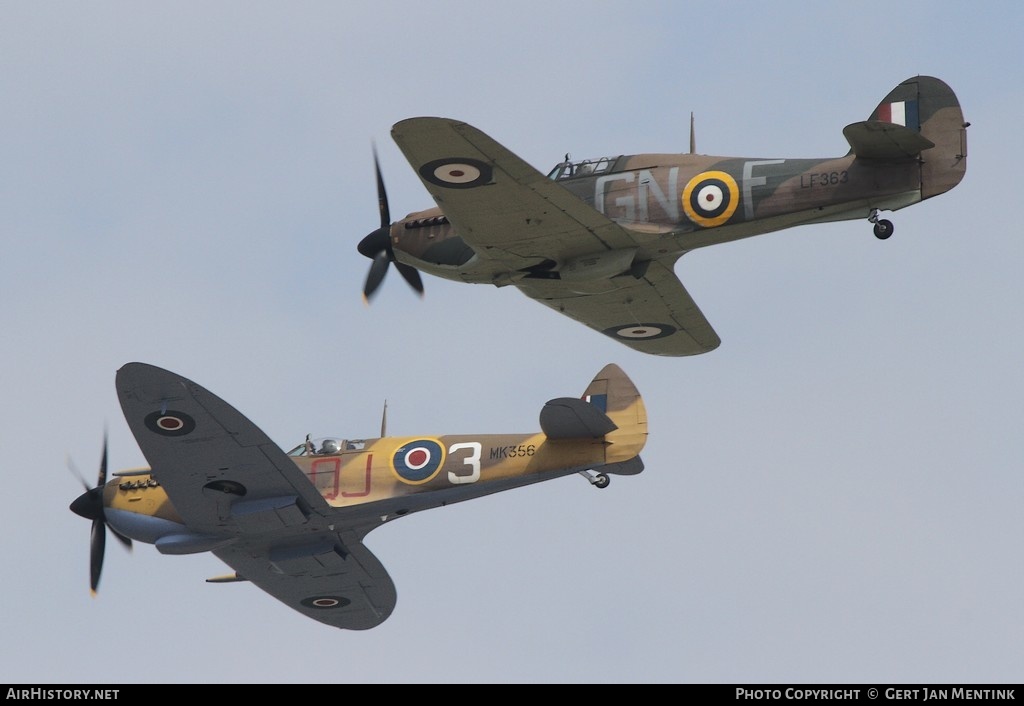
x=597, y=240
x=293, y=523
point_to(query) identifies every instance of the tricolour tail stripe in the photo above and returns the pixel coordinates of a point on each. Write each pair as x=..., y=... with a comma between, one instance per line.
x=900, y=113
x=599, y=401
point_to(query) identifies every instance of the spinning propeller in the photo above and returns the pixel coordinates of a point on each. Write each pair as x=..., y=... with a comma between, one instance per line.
x=377, y=247
x=90, y=506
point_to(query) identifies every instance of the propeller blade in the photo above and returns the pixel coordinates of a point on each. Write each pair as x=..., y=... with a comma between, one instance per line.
x=90, y=506
x=375, y=276
x=125, y=541
x=411, y=275
x=78, y=474
x=377, y=245
x=96, y=550
x=382, y=194
x=103, y=463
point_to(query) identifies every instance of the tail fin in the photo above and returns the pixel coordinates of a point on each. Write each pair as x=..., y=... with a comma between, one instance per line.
x=611, y=407
x=920, y=117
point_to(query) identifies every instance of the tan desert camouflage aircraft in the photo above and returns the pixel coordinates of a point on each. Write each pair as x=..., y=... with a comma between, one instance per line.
x=598, y=240
x=293, y=523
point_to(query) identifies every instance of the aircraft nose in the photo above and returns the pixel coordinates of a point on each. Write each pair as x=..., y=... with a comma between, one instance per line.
x=88, y=505
x=375, y=243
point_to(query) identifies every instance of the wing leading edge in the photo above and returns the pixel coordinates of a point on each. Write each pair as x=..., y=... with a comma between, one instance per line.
x=515, y=217
x=240, y=496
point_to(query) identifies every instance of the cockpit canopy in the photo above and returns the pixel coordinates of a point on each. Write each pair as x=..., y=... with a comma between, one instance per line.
x=326, y=446
x=586, y=167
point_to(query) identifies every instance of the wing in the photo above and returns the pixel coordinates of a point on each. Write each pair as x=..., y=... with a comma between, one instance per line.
x=652, y=314
x=332, y=578
x=241, y=496
x=515, y=217
x=500, y=205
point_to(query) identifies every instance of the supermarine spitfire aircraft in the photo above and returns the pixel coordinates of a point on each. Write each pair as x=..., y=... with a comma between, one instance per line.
x=598, y=240
x=293, y=523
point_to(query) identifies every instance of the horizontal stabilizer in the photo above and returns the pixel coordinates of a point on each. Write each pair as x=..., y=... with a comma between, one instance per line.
x=624, y=468
x=573, y=418
x=875, y=139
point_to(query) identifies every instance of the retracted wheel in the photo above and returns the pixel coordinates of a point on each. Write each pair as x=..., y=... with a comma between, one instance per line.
x=883, y=229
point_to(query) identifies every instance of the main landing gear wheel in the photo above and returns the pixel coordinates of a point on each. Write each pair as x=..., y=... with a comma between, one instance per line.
x=883, y=229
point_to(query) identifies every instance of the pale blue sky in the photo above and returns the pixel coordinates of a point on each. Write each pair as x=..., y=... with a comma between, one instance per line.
x=831, y=496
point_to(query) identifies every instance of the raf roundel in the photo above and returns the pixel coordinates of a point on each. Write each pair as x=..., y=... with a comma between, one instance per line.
x=457, y=172
x=325, y=602
x=170, y=423
x=634, y=332
x=418, y=461
x=710, y=198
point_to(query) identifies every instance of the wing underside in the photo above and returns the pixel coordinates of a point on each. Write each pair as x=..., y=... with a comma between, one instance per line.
x=240, y=496
x=652, y=314
x=330, y=578
x=515, y=218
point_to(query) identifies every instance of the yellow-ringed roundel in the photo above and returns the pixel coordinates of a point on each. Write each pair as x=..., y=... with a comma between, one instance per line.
x=170, y=423
x=710, y=198
x=324, y=602
x=418, y=461
x=632, y=332
x=457, y=172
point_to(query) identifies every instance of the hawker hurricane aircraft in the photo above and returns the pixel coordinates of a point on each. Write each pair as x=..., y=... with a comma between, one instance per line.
x=293, y=523
x=598, y=240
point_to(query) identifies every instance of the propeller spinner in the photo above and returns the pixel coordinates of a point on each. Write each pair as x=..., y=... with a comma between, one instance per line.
x=377, y=247
x=90, y=506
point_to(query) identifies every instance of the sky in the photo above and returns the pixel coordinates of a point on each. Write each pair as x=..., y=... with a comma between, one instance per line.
x=832, y=496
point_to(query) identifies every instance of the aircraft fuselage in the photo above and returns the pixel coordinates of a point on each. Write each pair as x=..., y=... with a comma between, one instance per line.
x=672, y=204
